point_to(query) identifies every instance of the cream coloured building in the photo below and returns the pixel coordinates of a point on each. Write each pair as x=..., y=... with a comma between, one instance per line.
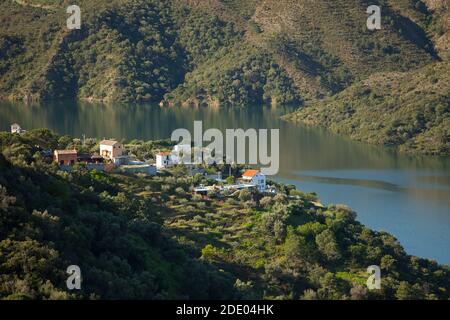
x=110, y=149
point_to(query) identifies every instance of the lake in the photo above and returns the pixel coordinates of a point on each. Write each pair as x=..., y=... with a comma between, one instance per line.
x=408, y=196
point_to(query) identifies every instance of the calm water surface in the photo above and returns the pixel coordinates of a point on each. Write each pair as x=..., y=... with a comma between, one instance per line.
x=408, y=196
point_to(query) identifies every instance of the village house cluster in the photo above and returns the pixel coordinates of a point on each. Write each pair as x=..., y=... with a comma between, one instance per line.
x=168, y=159
x=111, y=156
x=251, y=179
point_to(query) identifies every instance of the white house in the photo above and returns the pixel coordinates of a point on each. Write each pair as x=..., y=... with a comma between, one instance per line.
x=256, y=178
x=15, y=128
x=164, y=160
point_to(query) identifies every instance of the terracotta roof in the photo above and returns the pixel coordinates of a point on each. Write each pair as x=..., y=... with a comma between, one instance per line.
x=109, y=142
x=250, y=173
x=66, y=151
x=164, y=154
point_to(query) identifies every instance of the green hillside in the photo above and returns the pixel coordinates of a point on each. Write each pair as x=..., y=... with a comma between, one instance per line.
x=408, y=110
x=150, y=237
x=207, y=52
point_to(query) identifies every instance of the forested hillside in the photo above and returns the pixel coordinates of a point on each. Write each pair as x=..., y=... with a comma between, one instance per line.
x=150, y=237
x=132, y=51
x=410, y=110
x=209, y=52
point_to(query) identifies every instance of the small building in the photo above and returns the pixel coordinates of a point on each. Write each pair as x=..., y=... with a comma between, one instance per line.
x=92, y=161
x=202, y=190
x=164, y=160
x=95, y=158
x=65, y=157
x=256, y=178
x=110, y=149
x=15, y=128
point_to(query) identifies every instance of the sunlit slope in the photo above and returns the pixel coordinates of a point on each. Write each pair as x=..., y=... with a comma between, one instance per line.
x=410, y=110
x=210, y=52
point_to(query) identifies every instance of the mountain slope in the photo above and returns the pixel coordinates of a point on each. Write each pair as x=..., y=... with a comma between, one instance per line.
x=150, y=237
x=328, y=41
x=189, y=51
x=410, y=110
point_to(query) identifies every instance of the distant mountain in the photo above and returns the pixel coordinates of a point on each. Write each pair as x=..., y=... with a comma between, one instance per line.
x=410, y=109
x=214, y=52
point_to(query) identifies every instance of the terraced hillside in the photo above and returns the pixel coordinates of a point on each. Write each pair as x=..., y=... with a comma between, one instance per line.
x=150, y=237
x=208, y=52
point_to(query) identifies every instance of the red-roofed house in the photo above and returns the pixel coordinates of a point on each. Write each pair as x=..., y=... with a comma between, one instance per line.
x=255, y=177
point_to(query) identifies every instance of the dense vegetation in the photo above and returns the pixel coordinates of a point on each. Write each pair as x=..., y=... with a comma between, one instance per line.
x=149, y=237
x=410, y=110
x=133, y=51
x=214, y=52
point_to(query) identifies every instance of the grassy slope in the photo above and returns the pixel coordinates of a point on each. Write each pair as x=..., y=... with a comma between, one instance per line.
x=405, y=109
x=329, y=45
x=324, y=46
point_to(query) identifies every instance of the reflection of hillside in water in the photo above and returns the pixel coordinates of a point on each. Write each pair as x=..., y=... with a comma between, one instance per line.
x=428, y=192
x=301, y=147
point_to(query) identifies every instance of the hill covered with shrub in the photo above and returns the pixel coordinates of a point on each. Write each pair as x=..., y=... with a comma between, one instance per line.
x=409, y=110
x=150, y=237
x=210, y=52
x=318, y=55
